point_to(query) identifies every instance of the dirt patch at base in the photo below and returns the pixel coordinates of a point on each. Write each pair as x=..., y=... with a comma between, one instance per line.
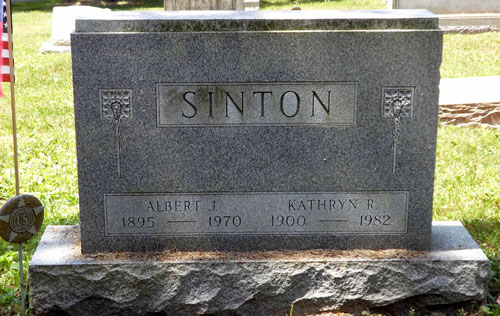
x=481, y=114
x=278, y=255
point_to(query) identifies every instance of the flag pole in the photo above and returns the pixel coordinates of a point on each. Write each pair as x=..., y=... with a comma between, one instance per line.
x=12, y=94
x=14, y=139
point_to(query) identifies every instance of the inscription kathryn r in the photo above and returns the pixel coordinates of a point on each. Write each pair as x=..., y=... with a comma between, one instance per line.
x=189, y=214
x=305, y=103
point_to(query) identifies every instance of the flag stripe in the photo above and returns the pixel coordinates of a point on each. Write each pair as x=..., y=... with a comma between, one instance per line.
x=5, y=69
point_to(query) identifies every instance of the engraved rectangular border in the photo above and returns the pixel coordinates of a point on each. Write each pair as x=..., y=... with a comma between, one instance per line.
x=193, y=234
x=353, y=124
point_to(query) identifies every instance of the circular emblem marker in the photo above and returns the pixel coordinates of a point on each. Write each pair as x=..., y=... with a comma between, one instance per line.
x=20, y=218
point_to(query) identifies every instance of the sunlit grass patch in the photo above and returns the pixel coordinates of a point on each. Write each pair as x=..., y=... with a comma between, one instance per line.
x=323, y=5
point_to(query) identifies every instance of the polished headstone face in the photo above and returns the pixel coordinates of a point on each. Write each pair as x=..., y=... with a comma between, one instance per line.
x=256, y=130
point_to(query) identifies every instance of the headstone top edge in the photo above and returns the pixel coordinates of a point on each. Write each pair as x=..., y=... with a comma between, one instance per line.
x=207, y=21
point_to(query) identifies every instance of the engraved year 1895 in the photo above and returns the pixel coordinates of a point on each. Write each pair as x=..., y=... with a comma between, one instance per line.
x=138, y=222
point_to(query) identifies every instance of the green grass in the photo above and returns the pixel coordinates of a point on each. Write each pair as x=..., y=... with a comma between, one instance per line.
x=45, y=138
x=467, y=188
x=323, y=5
x=471, y=55
x=468, y=159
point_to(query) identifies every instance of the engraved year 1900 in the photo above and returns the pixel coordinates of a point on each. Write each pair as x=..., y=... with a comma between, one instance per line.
x=288, y=220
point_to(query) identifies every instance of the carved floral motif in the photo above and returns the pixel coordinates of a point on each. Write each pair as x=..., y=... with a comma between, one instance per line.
x=116, y=106
x=397, y=104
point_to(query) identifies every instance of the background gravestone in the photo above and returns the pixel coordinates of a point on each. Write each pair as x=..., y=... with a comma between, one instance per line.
x=63, y=23
x=448, y=6
x=180, y=5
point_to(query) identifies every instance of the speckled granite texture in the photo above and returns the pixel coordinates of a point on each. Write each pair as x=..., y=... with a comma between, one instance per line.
x=206, y=21
x=122, y=63
x=452, y=275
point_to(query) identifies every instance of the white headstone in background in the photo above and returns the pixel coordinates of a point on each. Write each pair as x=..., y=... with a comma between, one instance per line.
x=251, y=4
x=63, y=23
x=448, y=6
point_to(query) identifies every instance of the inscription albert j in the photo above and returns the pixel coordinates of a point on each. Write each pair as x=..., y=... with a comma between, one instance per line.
x=249, y=104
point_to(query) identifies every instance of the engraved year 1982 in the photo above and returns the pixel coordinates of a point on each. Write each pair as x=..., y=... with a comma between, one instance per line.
x=376, y=220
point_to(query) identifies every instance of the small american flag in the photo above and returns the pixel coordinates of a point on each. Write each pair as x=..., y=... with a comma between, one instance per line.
x=5, y=70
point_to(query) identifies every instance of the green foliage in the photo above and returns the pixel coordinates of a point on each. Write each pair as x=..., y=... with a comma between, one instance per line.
x=9, y=277
x=492, y=308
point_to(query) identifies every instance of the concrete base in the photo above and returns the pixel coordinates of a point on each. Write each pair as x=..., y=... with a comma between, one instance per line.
x=469, y=90
x=479, y=19
x=455, y=272
x=469, y=23
x=251, y=5
x=448, y=6
x=48, y=47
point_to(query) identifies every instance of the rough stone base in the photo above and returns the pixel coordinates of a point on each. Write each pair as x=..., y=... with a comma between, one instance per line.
x=454, y=273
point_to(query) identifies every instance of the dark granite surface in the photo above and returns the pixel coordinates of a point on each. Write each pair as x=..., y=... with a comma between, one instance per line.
x=134, y=155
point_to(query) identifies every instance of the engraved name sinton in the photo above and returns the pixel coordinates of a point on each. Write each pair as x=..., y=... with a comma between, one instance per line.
x=325, y=103
x=289, y=103
x=178, y=214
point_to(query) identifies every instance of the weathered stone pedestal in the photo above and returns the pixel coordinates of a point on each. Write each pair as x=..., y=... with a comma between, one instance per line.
x=455, y=272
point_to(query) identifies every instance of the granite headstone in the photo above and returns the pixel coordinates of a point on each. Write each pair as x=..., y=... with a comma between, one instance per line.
x=256, y=130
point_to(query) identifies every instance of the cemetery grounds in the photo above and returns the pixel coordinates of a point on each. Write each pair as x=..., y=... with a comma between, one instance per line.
x=467, y=186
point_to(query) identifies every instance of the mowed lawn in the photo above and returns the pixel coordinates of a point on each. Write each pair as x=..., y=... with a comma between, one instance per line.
x=467, y=186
